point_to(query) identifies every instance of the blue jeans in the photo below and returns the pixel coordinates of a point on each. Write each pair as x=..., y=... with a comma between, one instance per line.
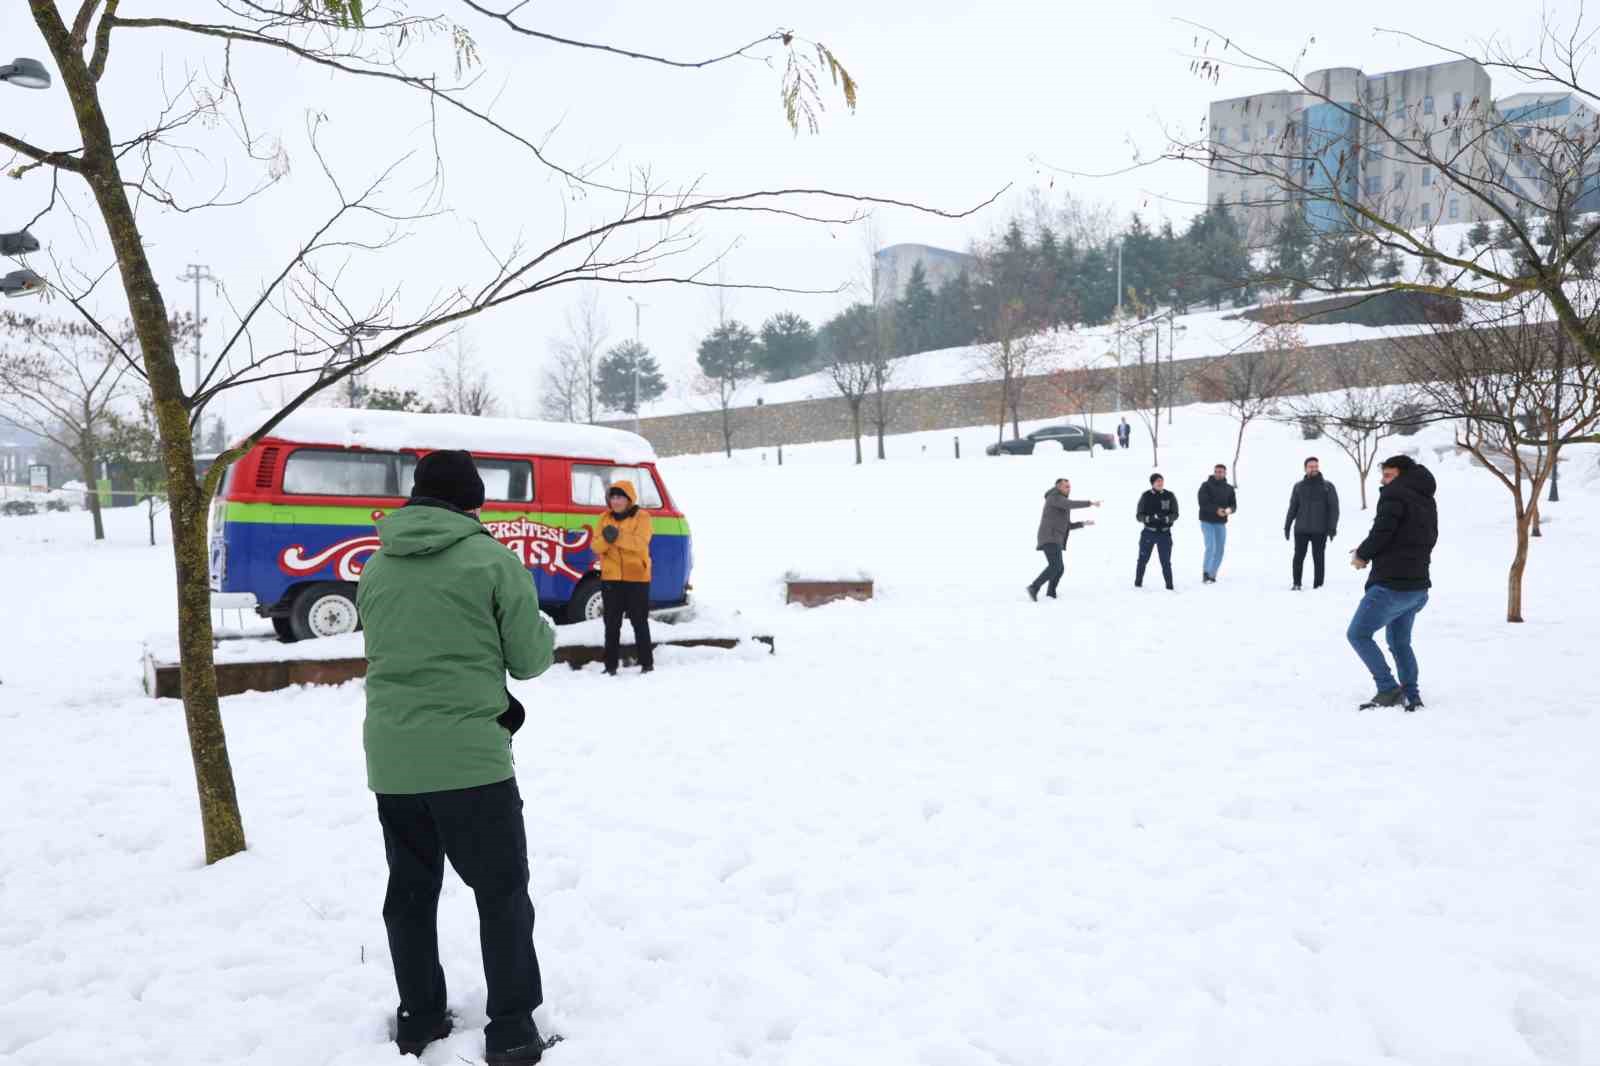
x=1393, y=611
x=1216, y=535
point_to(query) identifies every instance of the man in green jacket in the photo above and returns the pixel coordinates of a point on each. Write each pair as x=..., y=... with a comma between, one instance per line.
x=448, y=612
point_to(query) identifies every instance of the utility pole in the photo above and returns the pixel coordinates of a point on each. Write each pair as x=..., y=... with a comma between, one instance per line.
x=1119, y=329
x=638, y=352
x=197, y=273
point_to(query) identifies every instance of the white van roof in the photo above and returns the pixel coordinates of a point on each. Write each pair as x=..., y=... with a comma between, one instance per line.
x=394, y=430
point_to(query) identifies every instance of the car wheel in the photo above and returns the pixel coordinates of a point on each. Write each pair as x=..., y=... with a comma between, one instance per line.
x=326, y=610
x=284, y=629
x=587, y=603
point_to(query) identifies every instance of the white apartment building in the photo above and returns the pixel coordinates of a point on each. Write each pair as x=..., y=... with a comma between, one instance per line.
x=894, y=264
x=1347, y=140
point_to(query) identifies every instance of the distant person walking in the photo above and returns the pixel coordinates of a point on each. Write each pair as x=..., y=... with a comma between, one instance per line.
x=622, y=541
x=1313, y=519
x=1054, y=527
x=1399, y=550
x=1124, y=433
x=1158, y=510
x=1218, y=500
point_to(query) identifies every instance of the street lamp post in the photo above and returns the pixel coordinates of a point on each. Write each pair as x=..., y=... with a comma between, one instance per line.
x=21, y=283
x=638, y=347
x=1119, y=329
x=197, y=273
x=25, y=74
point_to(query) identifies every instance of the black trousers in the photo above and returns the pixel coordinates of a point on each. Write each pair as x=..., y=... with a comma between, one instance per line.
x=1157, y=541
x=630, y=598
x=1053, y=569
x=480, y=831
x=1317, y=542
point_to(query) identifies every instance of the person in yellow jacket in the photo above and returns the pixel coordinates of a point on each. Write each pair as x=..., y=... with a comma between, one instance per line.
x=622, y=541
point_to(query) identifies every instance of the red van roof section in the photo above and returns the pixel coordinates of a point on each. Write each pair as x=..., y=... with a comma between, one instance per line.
x=394, y=430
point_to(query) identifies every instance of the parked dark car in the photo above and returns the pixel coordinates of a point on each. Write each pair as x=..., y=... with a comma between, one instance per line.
x=1070, y=438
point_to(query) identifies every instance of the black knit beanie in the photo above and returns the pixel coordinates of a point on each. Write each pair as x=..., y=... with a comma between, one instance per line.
x=451, y=477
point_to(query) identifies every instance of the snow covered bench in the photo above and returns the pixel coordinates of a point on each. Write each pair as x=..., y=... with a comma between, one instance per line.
x=812, y=592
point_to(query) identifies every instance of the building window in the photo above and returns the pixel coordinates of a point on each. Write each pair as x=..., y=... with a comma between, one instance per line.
x=1455, y=208
x=1427, y=212
x=1374, y=183
x=1455, y=101
x=1272, y=130
x=1427, y=105
x=1222, y=135
x=1427, y=176
x=1399, y=180
x=1399, y=108
x=1244, y=134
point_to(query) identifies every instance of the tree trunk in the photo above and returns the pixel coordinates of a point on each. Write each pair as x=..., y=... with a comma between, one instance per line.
x=220, y=820
x=727, y=429
x=151, y=507
x=1238, y=446
x=1536, y=531
x=92, y=497
x=855, y=426
x=1519, y=563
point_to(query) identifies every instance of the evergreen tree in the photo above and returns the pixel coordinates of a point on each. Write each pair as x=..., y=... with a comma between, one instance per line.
x=1479, y=235
x=954, y=316
x=788, y=347
x=396, y=400
x=1292, y=242
x=728, y=354
x=1391, y=267
x=914, y=315
x=615, y=380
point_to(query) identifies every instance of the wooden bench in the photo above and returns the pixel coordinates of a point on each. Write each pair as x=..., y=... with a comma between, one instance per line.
x=810, y=593
x=163, y=678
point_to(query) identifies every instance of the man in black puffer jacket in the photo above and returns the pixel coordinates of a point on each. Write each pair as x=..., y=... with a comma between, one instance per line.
x=1158, y=509
x=1399, y=550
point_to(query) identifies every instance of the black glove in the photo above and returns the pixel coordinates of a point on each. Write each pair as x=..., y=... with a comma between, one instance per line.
x=513, y=716
x=610, y=533
x=1332, y=533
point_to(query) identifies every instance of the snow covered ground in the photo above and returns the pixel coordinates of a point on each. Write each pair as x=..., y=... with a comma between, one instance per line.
x=949, y=827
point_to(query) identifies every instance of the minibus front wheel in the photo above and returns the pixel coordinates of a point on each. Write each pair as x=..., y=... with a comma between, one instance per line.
x=586, y=604
x=324, y=610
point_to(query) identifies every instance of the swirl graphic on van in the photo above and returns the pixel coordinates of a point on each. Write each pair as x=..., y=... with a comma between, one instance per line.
x=538, y=546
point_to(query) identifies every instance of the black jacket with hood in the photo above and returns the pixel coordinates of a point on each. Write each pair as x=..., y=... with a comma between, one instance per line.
x=1405, y=528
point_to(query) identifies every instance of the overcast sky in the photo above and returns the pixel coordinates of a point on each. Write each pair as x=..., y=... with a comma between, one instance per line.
x=956, y=100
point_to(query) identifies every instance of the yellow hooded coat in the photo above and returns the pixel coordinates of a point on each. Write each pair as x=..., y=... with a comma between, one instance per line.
x=628, y=557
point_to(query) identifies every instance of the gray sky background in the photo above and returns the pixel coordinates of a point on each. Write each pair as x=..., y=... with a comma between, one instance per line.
x=955, y=99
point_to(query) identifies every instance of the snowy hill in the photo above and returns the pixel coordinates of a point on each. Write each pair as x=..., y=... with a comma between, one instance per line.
x=948, y=826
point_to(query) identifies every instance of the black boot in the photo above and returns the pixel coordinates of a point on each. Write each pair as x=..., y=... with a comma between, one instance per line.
x=523, y=1054
x=1389, y=698
x=416, y=1045
x=1033, y=593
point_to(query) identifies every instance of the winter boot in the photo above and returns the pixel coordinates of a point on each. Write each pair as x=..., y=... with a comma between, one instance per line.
x=415, y=1046
x=1414, y=704
x=1033, y=593
x=522, y=1055
x=1390, y=698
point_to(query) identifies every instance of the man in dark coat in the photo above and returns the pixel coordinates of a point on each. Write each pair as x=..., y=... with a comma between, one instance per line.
x=1314, y=519
x=1399, y=550
x=1054, y=526
x=1217, y=501
x=1158, y=509
x=1124, y=433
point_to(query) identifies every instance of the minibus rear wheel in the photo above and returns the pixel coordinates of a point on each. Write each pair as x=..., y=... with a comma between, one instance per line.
x=324, y=610
x=586, y=604
x=284, y=628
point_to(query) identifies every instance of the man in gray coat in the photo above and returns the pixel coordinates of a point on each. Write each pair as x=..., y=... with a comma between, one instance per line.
x=1054, y=526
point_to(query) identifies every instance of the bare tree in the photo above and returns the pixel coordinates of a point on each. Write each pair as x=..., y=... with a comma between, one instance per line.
x=574, y=376
x=1517, y=393
x=849, y=344
x=1527, y=174
x=1016, y=308
x=881, y=351
x=1146, y=385
x=1075, y=389
x=134, y=441
x=1251, y=383
x=1357, y=414
x=290, y=333
x=460, y=384
x=64, y=381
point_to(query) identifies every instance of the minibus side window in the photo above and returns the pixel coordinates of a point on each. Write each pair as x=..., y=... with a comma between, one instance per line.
x=317, y=472
x=506, y=479
x=589, y=484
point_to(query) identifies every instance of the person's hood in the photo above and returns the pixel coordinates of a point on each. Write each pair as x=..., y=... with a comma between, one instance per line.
x=1418, y=479
x=626, y=488
x=425, y=529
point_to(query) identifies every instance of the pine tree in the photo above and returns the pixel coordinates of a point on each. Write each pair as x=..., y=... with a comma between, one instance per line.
x=955, y=318
x=1479, y=235
x=914, y=315
x=615, y=380
x=788, y=347
x=1292, y=243
x=381, y=399
x=1391, y=267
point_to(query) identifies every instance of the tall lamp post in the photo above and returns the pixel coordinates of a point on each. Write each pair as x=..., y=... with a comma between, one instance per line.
x=1119, y=329
x=352, y=340
x=197, y=273
x=638, y=347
